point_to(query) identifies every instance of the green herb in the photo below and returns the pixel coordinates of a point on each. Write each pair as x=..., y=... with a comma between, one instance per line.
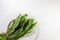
x=3, y=36
x=18, y=27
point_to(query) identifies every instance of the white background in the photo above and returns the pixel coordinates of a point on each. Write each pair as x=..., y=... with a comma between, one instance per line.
x=46, y=12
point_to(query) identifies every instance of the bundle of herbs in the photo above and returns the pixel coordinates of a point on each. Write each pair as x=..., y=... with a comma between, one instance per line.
x=18, y=27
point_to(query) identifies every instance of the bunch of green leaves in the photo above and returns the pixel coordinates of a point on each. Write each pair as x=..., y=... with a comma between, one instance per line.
x=3, y=36
x=20, y=26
